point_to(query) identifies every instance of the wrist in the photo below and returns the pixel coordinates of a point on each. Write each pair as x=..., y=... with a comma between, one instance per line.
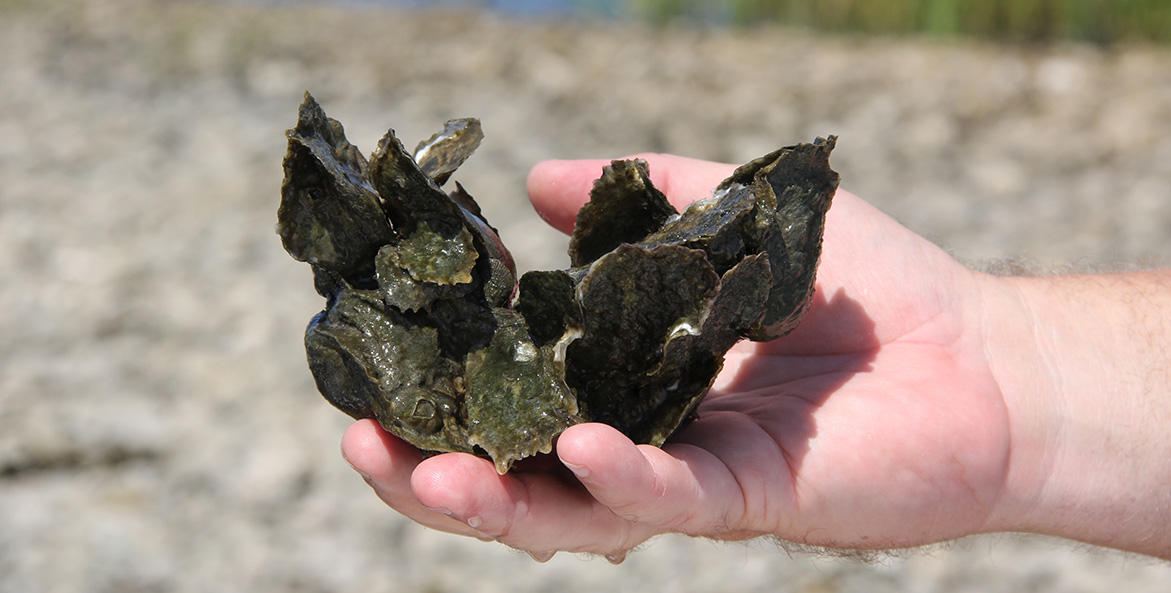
x=1082, y=365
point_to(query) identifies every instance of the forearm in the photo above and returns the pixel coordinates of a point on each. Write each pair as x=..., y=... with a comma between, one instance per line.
x=1084, y=363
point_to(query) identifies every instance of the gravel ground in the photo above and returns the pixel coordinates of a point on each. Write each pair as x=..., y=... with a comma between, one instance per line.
x=159, y=430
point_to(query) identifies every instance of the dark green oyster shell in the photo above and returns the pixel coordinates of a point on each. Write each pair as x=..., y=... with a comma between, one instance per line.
x=428, y=329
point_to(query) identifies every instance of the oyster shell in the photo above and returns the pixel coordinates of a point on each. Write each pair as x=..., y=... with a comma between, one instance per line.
x=428, y=329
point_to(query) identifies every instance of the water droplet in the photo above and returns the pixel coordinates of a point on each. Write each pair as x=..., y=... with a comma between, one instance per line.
x=541, y=557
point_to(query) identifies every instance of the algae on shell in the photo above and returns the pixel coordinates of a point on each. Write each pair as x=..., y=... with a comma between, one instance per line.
x=428, y=329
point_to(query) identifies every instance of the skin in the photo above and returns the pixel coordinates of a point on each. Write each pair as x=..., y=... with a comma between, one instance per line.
x=919, y=401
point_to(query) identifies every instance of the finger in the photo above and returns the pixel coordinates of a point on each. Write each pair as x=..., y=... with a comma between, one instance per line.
x=681, y=488
x=534, y=511
x=386, y=463
x=558, y=189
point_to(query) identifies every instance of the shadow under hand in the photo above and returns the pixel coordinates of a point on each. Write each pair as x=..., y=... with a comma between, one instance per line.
x=781, y=384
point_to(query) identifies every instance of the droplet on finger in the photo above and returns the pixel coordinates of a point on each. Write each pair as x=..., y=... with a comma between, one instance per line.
x=541, y=557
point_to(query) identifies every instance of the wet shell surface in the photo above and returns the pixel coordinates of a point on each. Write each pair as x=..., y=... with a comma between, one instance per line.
x=428, y=329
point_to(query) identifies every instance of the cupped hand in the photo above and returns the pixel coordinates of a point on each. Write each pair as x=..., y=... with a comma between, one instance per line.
x=877, y=423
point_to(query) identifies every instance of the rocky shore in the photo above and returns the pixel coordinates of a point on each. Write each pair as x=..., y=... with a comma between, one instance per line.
x=159, y=430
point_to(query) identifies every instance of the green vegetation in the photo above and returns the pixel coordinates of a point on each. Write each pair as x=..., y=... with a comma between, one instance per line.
x=1100, y=21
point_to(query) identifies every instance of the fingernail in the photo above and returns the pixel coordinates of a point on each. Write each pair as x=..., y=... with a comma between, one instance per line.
x=439, y=510
x=365, y=476
x=580, y=471
x=474, y=522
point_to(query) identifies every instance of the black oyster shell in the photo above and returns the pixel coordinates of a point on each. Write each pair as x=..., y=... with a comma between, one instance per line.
x=428, y=329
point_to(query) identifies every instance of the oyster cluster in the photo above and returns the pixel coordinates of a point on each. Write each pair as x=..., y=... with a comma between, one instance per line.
x=427, y=328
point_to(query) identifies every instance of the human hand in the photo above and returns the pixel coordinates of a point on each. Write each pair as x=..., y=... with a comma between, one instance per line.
x=877, y=423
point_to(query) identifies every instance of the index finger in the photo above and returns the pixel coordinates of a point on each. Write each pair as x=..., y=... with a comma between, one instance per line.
x=559, y=188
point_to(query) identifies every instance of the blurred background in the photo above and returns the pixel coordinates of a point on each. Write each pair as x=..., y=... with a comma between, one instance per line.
x=159, y=429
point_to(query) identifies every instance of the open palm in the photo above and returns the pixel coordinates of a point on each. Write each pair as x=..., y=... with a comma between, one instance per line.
x=877, y=423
